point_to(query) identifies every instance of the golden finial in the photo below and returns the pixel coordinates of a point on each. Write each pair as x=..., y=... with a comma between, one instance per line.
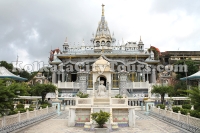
x=102, y=9
x=102, y=50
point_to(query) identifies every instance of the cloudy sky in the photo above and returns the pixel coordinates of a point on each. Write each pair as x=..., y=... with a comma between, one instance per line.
x=30, y=28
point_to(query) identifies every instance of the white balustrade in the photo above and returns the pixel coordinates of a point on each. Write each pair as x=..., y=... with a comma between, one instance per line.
x=183, y=118
x=68, y=84
x=178, y=117
x=194, y=121
x=140, y=84
x=12, y=119
x=174, y=116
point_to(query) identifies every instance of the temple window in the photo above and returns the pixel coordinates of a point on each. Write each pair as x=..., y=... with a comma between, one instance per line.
x=90, y=81
x=115, y=81
x=132, y=77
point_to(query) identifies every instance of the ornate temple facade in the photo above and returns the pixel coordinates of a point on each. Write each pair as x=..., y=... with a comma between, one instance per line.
x=123, y=68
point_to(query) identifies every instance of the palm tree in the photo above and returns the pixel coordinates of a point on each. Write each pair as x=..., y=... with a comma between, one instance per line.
x=194, y=94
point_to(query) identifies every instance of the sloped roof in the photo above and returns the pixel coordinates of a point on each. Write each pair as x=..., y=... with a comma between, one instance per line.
x=4, y=73
x=192, y=77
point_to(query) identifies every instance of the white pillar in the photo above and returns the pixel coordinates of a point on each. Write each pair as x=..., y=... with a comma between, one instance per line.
x=143, y=76
x=63, y=76
x=153, y=75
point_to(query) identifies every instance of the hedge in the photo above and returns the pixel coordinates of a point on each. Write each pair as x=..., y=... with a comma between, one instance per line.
x=184, y=111
x=186, y=106
x=20, y=106
x=195, y=113
x=176, y=109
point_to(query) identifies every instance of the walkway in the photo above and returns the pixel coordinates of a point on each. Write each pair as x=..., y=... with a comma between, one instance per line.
x=144, y=124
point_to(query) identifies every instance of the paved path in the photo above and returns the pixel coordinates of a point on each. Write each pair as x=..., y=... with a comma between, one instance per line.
x=144, y=124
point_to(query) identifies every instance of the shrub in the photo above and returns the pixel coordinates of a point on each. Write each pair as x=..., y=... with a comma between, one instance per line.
x=30, y=109
x=161, y=106
x=118, y=96
x=32, y=106
x=196, y=107
x=101, y=118
x=12, y=112
x=184, y=111
x=20, y=105
x=186, y=106
x=43, y=105
x=195, y=113
x=49, y=105
x=82, y=95
x=176, y=109
x=22, y=110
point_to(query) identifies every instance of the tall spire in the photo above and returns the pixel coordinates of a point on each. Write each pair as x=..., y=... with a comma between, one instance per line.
x=140, y=38
x=102, y=9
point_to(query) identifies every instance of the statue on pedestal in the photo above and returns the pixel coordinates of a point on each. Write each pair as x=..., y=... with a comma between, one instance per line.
x=101, y=91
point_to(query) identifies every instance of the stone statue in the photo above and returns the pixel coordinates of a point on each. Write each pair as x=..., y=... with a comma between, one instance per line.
x=101, y=91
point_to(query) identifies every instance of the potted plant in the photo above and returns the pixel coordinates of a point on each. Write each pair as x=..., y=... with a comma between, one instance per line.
x=82, y=95
x=101, y=118
x=120, y=101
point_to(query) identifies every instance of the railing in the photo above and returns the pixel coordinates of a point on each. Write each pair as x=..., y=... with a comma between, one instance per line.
x=184, y=121
x=136, y=85
x=14, y=122
x=72, y=85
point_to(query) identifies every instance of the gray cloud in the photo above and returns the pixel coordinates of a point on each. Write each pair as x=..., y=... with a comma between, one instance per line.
x=30, y=28
x=192, y=7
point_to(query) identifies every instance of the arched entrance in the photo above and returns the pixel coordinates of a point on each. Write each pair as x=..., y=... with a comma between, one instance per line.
x=102, y=77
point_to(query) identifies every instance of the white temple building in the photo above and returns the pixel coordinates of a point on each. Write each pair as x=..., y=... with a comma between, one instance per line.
x=126, y=68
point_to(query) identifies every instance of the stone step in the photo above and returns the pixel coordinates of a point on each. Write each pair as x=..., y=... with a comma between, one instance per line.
x=102, y=100
x=101, y=103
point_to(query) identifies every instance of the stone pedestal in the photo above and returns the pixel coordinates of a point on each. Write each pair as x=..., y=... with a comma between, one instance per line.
x=101, y=130
x=148, y=104
x=57, y=104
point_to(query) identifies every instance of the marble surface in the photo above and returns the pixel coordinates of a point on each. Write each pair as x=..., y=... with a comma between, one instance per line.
x=144, y=124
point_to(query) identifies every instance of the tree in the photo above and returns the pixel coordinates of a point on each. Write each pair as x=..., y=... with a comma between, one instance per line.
x=162, y=90
x=180, y=88
x=19, y=88
x=191, y=66
x=9, y=66
x=194, y=94
x=42, y=90
x=9, y=90
x=6, y=98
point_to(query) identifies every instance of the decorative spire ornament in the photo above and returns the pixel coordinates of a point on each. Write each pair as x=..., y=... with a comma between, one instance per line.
x=102, y=9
